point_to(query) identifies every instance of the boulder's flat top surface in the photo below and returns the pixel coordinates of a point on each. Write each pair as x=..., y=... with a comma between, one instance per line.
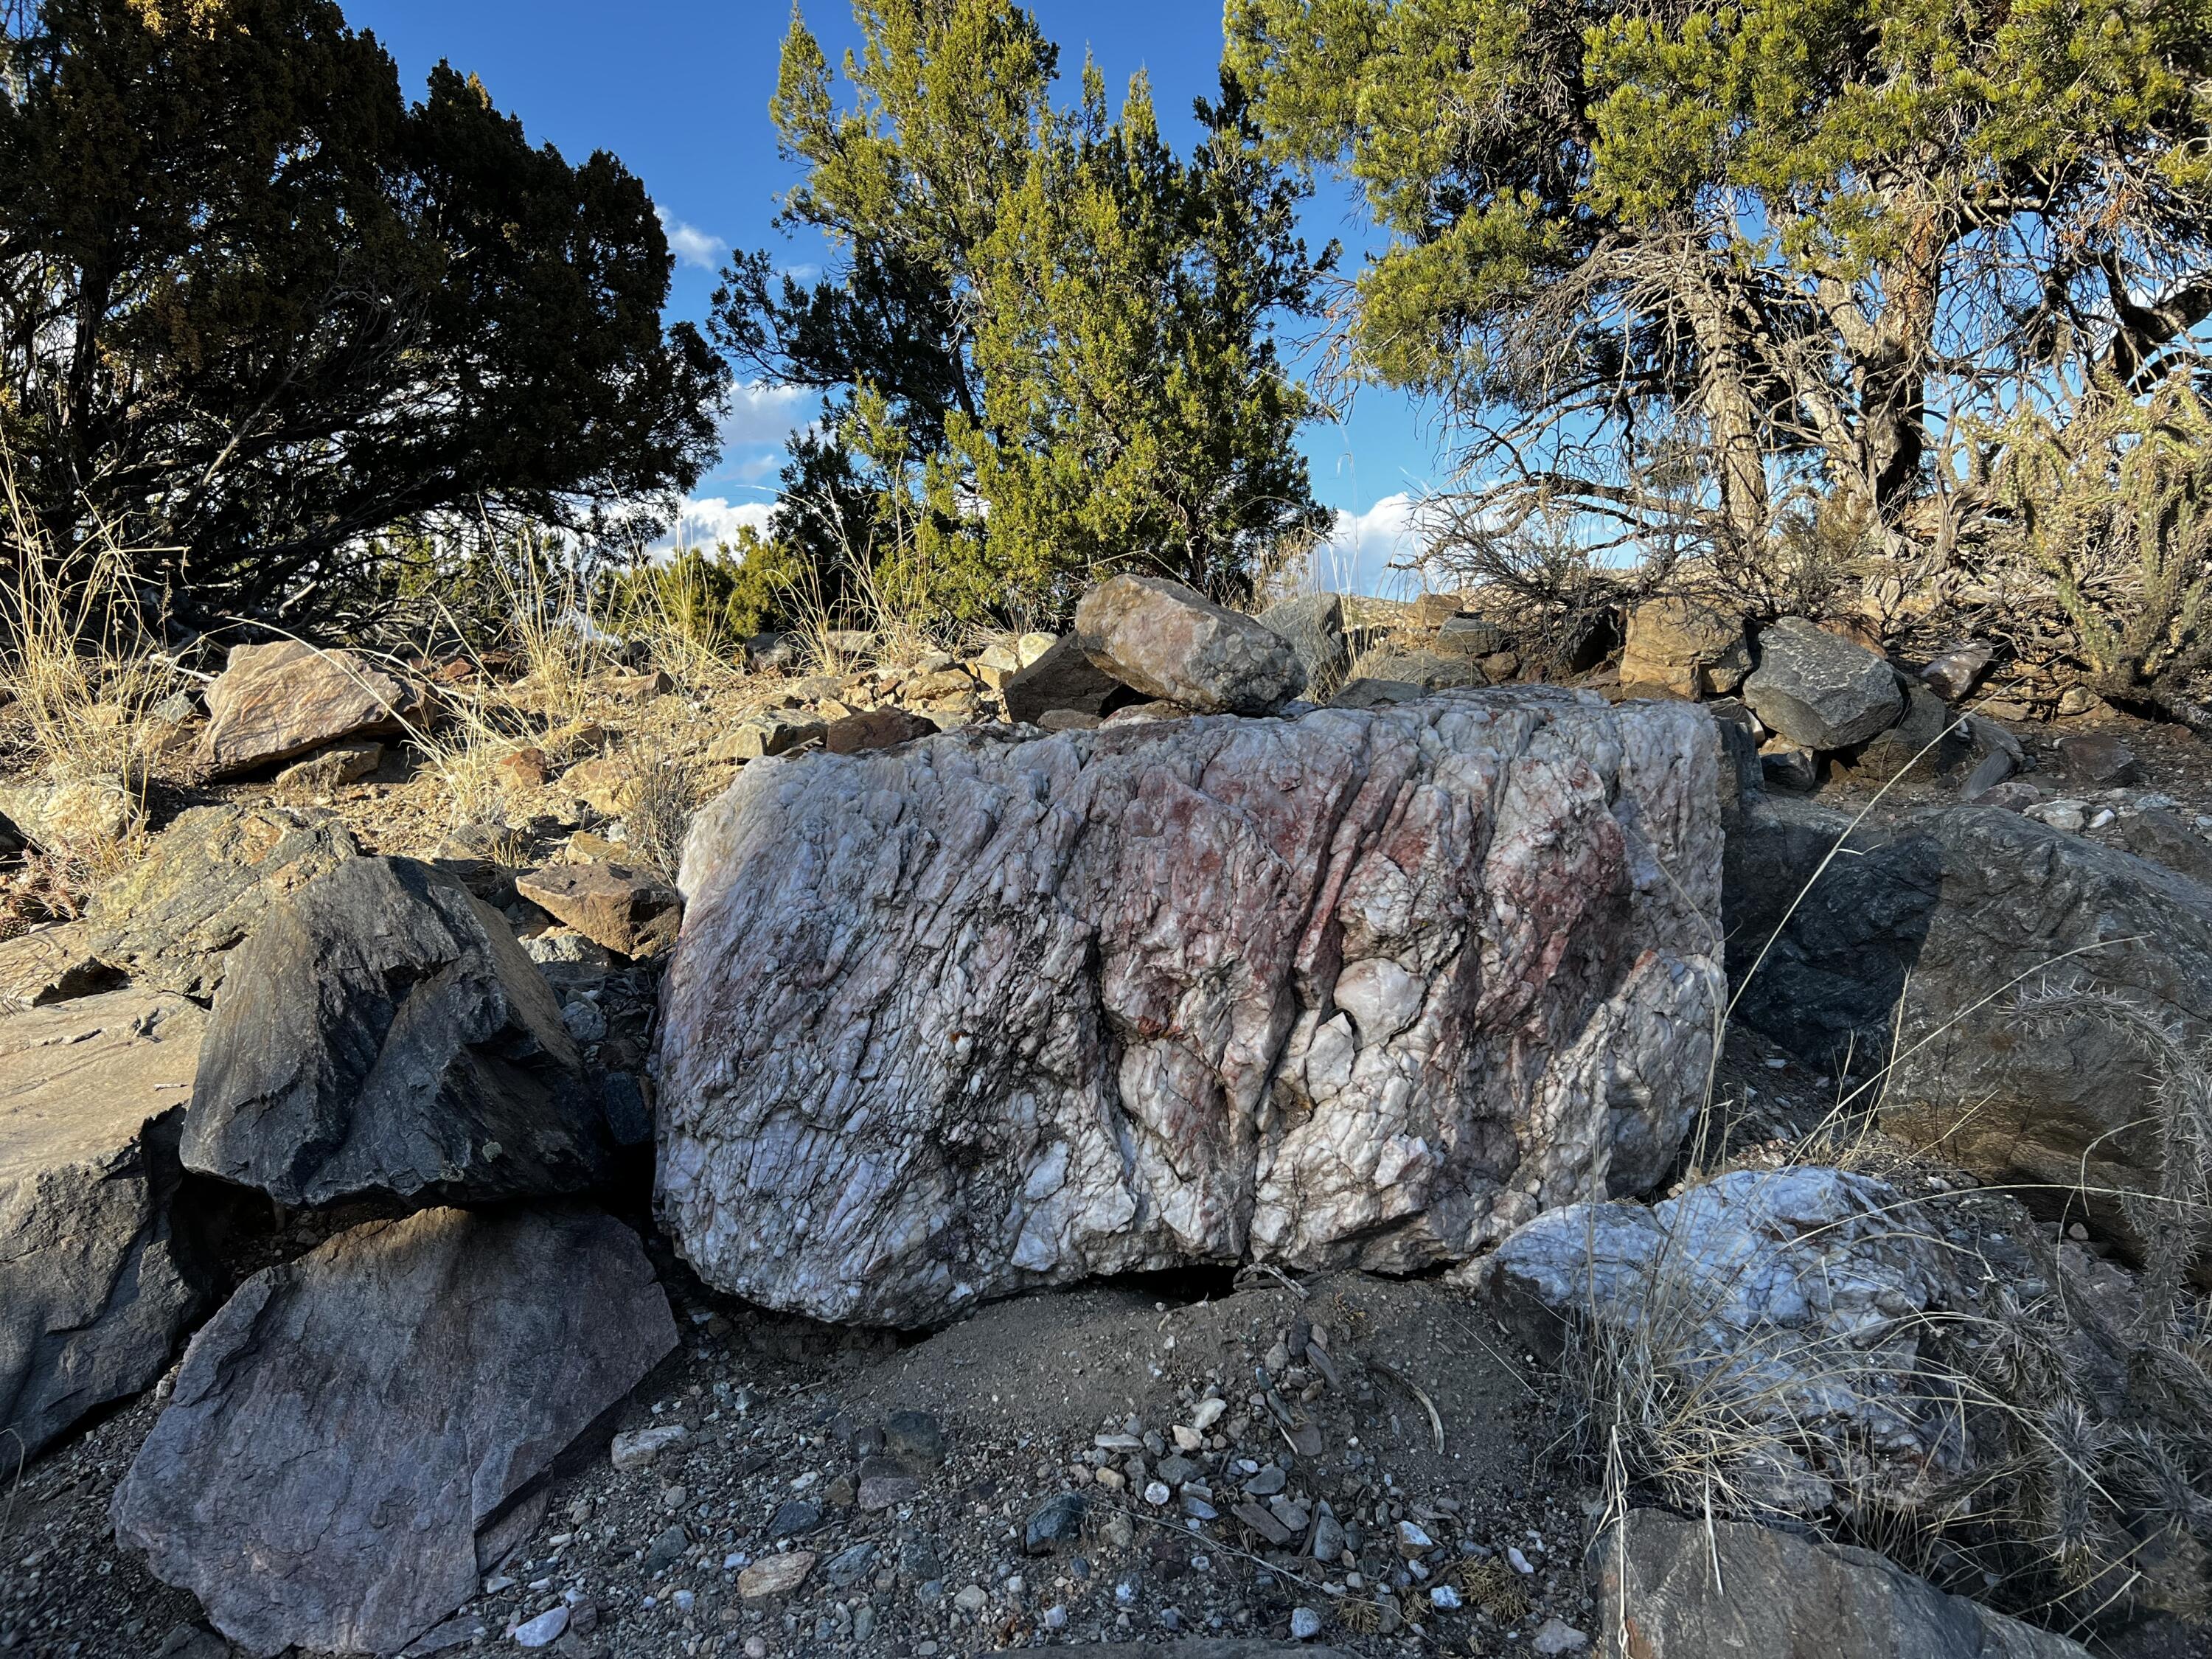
x=78, y=1079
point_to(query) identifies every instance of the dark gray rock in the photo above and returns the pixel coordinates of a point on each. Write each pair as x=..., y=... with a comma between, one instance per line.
x=1788, y=767
x=1196, y=1647
x=1368, y=692
x=915, y=1438
x=348, y=1424
x=1314, y=624
x=850, y=1566
x=171, y=918
x=1928, y=741
x=2164, y=837
x=94, y=1287
x=1818, y=689
x=383, y=1032
x=1057, y=1520
x=1992, y=769
x=1688, y=1590
x=2096, y=760
x=794, y=1518
x=1062, y=678
x=1951, y=913
x=667, y=1549
x=193, y=1641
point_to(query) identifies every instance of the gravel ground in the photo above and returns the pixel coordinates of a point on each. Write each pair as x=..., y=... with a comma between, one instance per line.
x=904, y=1489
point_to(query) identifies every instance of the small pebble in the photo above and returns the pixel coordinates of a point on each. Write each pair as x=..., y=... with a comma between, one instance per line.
x=1305, y=1624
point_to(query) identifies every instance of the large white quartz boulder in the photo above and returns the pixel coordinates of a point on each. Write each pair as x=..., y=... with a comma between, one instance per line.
x=1369, y=986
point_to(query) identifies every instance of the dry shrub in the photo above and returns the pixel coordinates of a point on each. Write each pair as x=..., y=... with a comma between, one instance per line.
x=2082, y=1448
x=667, y=789
x=86, y=675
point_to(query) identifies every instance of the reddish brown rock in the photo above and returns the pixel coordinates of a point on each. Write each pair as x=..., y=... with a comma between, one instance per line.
x=607, y=784
x=630, y=913
x=523, y=769
x=877, y=728
x=276, y=702
x=313, y=778
x=1690, y=649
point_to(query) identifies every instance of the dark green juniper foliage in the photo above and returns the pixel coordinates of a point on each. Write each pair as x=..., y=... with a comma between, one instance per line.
x=1803, y=236
x=1045, y=338
x=254, y=306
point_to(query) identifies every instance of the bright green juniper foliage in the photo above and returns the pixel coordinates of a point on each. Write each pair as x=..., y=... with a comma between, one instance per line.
x=1046, y=338
x=1815, y=230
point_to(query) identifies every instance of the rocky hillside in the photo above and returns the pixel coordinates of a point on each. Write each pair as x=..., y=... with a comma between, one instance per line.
x=1252, y=1134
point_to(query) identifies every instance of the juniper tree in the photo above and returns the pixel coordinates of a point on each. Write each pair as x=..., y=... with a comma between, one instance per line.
x=1044, y=337
x=1794, y=241
x=255, y=306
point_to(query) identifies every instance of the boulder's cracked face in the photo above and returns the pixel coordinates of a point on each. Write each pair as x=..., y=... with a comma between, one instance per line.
x=1366, y=987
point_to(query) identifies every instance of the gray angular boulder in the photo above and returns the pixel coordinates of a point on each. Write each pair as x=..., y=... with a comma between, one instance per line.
x=1821, y=690
x=1366, y=987
x=1921, y=941
x=348, y=1423
x=382, y=1032
x=1927, y=740
x=95, y=1287
x=1314, y=624
x=1166, y=640
x=1681, y=1588
x=171, y=919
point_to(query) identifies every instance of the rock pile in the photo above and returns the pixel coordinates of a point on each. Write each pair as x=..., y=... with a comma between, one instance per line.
x=1285, y=941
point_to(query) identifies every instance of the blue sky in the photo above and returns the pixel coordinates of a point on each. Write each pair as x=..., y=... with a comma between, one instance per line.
x=680, y=90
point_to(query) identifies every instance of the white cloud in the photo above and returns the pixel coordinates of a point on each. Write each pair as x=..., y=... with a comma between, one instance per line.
x=1356, y=555
x=691, y=245
x=763, y=412
x=711, y=520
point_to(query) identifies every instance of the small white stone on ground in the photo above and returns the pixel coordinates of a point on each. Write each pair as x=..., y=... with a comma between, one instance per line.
x=638, y=1448
x=1305, y=1624
x=543, y=1631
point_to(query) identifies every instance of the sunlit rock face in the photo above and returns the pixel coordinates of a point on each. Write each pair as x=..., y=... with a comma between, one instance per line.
x=1367, y=987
